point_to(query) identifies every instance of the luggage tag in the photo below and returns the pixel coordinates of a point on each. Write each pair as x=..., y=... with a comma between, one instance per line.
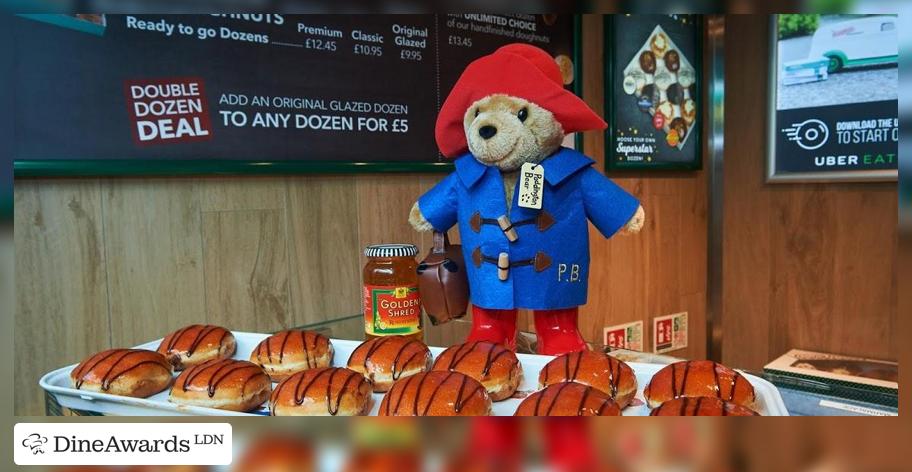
x=531, y=186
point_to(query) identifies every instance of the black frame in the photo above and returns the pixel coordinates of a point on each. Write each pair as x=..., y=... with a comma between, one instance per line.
x=610, y=66
x=178, y=167
x=774, y=177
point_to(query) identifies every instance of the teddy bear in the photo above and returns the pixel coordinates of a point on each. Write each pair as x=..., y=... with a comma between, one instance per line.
x=522, y=202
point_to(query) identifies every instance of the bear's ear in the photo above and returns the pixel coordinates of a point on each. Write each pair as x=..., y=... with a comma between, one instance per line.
x=472, y=111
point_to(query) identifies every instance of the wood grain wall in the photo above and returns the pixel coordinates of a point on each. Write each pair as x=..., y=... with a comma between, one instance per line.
x=115, y=262
x=809, y=266
x=662, y=270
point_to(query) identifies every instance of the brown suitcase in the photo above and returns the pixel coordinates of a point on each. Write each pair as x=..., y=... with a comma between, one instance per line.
x=442, y=281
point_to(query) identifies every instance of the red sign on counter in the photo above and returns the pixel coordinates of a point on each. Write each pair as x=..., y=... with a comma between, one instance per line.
x=624, y=336
x=669, y=333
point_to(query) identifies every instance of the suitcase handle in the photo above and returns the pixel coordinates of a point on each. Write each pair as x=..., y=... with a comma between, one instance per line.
x=441, y=242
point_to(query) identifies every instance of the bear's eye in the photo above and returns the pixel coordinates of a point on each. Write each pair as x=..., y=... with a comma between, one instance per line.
x=477, y=110
x=523, y=114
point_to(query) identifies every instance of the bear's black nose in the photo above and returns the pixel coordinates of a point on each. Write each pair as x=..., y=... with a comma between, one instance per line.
x=487, y=131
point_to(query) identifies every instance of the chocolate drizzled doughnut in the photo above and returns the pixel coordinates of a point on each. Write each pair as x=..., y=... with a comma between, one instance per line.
x=388, y=359
x=495, y=366
x=595, y=369
x=128, y=372
x=701, y=406
x=699, y=379
x=290, y=351
x=675, y=93
x=436, y=393
x=324, y=391
x=568, y=399
x=222, y=383
x=672, y=60
x=648, y=62
x=196, y=344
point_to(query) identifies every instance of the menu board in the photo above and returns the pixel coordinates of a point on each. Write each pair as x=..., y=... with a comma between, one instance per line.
x=653, y=98
x=834, y=111
x=109, y=94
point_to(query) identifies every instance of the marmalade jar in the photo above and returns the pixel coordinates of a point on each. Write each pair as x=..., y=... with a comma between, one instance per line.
x=392, y=305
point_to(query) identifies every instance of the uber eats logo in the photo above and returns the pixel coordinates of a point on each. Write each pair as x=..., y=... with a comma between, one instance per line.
x=809, y=134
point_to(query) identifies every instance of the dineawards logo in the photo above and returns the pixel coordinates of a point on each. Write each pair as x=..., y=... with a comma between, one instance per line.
x=122, y=444
x=808, y=134
x=35, y=442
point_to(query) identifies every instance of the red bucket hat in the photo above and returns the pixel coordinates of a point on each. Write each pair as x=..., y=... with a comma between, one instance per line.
x=520, y=70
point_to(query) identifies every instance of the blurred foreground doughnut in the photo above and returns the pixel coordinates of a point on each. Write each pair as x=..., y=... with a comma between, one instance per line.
x=273, y=452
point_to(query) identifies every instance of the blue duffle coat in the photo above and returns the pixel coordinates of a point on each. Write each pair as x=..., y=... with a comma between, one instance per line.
x=550, y=259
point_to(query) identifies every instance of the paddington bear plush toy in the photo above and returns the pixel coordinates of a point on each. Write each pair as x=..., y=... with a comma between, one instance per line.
x=504, y=122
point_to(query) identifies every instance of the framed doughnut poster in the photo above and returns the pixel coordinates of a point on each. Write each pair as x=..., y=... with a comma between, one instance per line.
x=653, y=98
x=833, y=88
x=249, y=93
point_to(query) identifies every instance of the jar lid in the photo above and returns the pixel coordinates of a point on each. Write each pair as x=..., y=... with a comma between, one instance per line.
x=391, y=250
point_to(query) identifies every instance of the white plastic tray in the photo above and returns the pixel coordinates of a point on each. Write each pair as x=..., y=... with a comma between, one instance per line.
x=57, y=382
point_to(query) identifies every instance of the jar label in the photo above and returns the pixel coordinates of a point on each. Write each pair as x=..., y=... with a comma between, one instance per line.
x=391, y=310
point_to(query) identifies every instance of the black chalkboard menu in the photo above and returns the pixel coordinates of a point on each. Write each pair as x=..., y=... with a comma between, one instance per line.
x=138, y=94
x=652, y=98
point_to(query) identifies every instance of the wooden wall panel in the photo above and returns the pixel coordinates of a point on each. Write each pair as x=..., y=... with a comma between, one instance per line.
x=246, y=264
x=61, y=282
x=384, y=205
x=152, y=236
x=324, y=248
x=242, y=193
x=746, y=243
x=810, y=266
x=834, y=262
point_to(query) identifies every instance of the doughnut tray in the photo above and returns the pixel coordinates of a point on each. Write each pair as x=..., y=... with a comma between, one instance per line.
x=57, y=383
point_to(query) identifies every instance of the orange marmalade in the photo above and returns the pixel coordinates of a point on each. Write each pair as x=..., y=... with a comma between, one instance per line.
x=392, y=304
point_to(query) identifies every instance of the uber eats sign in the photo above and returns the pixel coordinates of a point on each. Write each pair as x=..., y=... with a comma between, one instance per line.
x=834, y=110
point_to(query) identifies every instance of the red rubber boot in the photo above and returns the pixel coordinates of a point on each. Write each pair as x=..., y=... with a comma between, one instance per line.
x=557, y=331
x=494, y=445
x=496, y=326
x=569, y=446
